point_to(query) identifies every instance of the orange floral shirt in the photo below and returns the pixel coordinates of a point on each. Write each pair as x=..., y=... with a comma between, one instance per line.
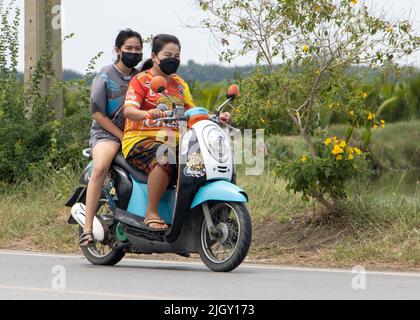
x=141, y=96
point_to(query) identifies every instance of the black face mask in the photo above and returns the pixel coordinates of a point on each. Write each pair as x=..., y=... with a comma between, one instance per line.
x=131, y=59
x=169, y=65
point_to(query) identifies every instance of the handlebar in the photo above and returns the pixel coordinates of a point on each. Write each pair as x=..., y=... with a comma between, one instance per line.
x=170, y=117
x=215, y=119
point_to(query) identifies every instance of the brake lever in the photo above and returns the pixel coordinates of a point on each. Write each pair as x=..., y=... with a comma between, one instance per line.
x=215, y=119
x=183, y=118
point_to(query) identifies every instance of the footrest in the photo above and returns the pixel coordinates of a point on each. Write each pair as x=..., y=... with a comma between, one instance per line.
x=134, y=225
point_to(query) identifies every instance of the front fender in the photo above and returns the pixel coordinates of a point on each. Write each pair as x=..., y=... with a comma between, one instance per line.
x=219, y=191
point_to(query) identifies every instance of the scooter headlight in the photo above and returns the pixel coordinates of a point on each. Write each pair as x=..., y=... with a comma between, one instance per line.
x=217, y=143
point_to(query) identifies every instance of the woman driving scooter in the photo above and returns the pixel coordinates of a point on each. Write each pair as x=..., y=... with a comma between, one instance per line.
x=143, y=137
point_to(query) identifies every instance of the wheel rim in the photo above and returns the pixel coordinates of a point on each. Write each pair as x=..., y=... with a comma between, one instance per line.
x=226, y=221
x=100, y=250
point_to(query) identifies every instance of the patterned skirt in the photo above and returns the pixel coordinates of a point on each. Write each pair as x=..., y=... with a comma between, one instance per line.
x=148, y=153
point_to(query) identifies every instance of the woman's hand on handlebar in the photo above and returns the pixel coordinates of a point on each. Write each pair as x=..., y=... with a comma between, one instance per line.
x=155, y=114
x=225, y=117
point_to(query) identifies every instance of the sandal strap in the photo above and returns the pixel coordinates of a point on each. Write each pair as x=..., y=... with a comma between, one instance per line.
x=158, y=221
x=87, y=236
x=89, y=233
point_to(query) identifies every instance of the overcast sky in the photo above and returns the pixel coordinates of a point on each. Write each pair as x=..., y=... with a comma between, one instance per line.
x=97, y=22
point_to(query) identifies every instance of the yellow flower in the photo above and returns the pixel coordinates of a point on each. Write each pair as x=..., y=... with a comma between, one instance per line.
x=337, y=150
x=340, y=157
x=343, y=144
x=354, y=1
x=335, y=139
x=305, y=48
x=389, y=29
x=304, y=158
x=351, y=113
x=350, y=157
x=328, y=141
x=358, y=151
x=375, y=126
x=351, y=150
x=371, y=116
x=383, y=123
x=262, y=120
x=364, y=95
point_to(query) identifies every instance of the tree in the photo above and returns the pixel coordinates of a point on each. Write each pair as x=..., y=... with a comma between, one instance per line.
x=316, y=42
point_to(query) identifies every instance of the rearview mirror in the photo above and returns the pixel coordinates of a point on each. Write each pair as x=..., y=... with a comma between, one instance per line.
x=158, y=84
x=233, y=92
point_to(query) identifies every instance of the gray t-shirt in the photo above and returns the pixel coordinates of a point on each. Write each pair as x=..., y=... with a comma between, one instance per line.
x=109, y=89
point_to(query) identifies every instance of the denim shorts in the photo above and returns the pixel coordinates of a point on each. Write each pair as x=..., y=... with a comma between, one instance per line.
x=101, y=136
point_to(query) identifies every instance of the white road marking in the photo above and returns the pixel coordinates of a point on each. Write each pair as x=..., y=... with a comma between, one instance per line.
x=245, y=265
x=92, y=293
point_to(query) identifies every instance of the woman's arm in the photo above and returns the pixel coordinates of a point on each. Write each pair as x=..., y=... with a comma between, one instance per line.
x=107, y=124
x=135, y=114
x=98, y=102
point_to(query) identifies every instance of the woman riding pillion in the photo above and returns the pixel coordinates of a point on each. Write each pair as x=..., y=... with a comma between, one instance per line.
x=107, y=100
x=143, y=137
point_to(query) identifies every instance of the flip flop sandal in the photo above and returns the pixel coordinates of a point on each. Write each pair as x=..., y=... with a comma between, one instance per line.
x=86, y=240
x=157, y=221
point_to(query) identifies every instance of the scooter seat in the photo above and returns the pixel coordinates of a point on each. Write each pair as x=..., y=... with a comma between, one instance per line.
x=137, y=174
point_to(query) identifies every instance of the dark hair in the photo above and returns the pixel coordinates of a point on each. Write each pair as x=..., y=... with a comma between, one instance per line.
x=158, y=43
x=123, y=35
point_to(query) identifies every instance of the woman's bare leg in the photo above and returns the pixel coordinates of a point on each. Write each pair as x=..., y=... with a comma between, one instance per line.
x=157, y=184
x=103, y=154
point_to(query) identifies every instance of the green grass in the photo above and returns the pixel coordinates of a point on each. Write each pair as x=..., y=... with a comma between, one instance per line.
x=269, y=199
x=374, y=229
x=33, y=213
x=383, y=227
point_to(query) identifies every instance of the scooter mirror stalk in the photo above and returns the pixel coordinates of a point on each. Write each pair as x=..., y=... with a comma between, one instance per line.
x=232, y=94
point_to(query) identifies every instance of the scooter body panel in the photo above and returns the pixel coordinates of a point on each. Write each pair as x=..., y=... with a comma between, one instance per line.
x=219, y=191
x=138, y=202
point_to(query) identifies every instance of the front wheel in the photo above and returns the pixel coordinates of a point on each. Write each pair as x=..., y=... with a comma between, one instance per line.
x=229, y=249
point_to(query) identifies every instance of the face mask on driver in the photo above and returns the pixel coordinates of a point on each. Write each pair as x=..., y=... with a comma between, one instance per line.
x=169, y=65
x=131, y=59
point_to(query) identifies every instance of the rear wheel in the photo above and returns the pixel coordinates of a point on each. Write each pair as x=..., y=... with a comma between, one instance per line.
x=104, y=253
x=229, y=249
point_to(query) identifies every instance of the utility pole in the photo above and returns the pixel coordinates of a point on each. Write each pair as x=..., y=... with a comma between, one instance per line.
x=38, y=24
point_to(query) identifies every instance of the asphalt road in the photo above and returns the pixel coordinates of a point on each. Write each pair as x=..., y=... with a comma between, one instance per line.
x=43, y=276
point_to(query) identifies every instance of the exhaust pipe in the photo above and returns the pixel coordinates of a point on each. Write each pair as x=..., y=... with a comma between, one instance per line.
x=78, y=212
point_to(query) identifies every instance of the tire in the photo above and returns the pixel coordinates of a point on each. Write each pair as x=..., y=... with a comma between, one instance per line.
x=93, y=255
x=236, y=234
